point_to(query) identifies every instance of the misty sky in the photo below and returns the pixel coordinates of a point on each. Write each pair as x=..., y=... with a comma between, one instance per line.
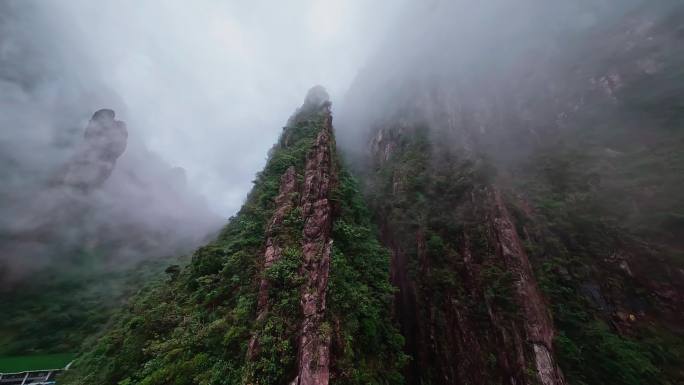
x=209, y=84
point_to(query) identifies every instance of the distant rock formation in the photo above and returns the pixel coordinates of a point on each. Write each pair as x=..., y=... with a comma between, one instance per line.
x=104, y=142
x=127, y=208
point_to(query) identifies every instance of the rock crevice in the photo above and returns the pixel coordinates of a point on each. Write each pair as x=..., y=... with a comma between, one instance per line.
x=536, y=315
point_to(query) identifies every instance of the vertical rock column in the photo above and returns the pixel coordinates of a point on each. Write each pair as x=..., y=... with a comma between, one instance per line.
x=314, y=341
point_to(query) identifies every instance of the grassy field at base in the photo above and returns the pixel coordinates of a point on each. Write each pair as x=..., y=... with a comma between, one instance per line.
x=34, y=362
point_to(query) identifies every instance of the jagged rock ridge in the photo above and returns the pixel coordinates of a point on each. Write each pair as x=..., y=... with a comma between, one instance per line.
x=295, y=290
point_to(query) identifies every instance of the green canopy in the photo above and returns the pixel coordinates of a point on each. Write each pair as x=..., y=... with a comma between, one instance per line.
x=31, y=363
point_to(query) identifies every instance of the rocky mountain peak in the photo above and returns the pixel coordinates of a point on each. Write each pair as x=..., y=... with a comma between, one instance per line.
x=316, y=97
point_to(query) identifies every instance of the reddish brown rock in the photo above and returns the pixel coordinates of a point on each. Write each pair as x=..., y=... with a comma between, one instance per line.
x=314, y=341
x=538, y=323
x=313, y=337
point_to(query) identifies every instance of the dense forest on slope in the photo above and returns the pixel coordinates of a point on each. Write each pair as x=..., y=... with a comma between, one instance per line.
x=286, y=267
x=499, y=202
x=60, y=307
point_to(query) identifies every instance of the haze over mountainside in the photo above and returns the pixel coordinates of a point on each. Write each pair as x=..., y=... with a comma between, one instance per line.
x=78, y=241
x=87, y=212
x=498, y=201
x=531, y=195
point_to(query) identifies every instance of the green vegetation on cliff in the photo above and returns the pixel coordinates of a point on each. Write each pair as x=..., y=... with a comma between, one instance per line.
x=604, y=256
x=598, y=228
x=195, y=326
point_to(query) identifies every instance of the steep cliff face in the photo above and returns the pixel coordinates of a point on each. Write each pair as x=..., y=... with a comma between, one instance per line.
x=536, y=316
x=294, y=291
x=468, y=301
x=519, y=194
x=493, y=288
